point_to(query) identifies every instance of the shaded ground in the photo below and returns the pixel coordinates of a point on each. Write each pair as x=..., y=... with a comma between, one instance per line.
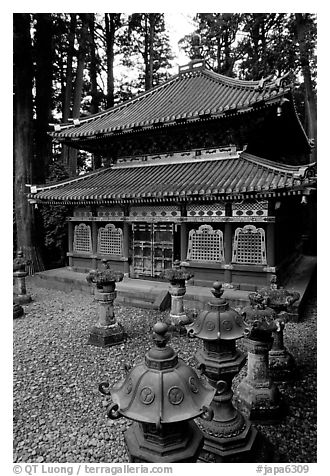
x=59, y=414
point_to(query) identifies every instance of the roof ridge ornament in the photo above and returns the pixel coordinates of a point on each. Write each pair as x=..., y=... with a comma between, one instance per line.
x=193, y=65
x=284, y=80
x=263, y=81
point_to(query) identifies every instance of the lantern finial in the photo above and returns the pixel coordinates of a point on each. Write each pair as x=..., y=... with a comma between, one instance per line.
x=160, y=334
x=217, y=290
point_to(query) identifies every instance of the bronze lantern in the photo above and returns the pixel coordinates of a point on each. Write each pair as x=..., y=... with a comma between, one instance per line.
x=162, y=395
x=229, y=437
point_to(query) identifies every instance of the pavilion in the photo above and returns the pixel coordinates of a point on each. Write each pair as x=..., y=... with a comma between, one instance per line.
x=211, y=170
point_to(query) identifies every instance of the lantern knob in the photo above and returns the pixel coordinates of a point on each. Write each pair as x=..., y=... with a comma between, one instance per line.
x=217, y=290
x=160, y=334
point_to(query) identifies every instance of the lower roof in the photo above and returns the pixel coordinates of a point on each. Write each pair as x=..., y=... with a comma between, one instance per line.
x=226, y=176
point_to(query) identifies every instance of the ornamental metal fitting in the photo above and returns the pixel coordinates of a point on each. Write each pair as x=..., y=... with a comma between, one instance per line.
x=161, y=389
x=219, y=321
x=104, y=277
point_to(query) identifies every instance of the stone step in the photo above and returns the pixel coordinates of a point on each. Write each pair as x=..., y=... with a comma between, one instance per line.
x=128, y=301
x=154, y=295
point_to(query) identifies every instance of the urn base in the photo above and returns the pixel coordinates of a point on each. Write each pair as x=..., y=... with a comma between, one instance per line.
x=183, y=448
x=229, y=442
x=264, y=404
x=282, y=366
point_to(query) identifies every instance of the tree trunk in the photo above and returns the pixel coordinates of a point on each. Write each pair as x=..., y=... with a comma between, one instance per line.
x=23, y=139
x=152, y=22
x=78, y=85
x=43, y=96
x=94, y=107
x=68, y=85
x=146, y=54
x=309, y=92
x=218, y=42
x=93, y=68
x=110, y=41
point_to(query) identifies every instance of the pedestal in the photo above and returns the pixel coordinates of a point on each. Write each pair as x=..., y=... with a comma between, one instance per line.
x=282, y=366
x=257, y=396
x=107, y=331
x=173, y=443
x=228, y=437
x=178, y=317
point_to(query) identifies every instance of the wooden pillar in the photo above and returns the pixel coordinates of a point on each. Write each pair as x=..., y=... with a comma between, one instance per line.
x=183, y=241
x=228, y=251
x=94, y=244
x=126, y=232
x=270, y=244
x=70, y=242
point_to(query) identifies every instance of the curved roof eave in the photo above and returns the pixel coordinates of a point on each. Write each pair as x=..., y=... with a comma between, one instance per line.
x=223, y=93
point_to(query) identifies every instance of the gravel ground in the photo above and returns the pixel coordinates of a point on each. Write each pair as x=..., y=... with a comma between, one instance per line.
x=59, y=414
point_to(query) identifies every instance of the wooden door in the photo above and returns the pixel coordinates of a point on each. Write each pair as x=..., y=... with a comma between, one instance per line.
x=152, y=248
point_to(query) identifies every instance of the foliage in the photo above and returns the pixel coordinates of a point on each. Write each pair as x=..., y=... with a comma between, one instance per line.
x=105, y=276
x=175, y=275
x=145, y=45
x=250, y=46
x=218, y=33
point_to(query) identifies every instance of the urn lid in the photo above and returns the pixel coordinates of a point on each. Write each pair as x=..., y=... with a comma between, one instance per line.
x=162, y=388
x=219, y=321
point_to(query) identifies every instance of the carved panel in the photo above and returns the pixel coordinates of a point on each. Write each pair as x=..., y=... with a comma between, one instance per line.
x=212, y=210
x=250, y=208
x=114, y=213
x=154, y=212
x=82, y=212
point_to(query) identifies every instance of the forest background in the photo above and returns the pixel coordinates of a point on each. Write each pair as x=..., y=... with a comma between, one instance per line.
x=68, y=65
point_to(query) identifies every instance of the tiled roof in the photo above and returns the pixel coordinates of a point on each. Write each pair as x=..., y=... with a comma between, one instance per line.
x=190, y=96
x=238, y=174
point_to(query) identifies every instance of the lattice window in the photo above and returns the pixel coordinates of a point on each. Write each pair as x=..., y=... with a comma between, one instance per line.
x=212, y=210
x=82, y=238
x=110, y=240
x=250, y=208
x=205, y=244
x=249, y=245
